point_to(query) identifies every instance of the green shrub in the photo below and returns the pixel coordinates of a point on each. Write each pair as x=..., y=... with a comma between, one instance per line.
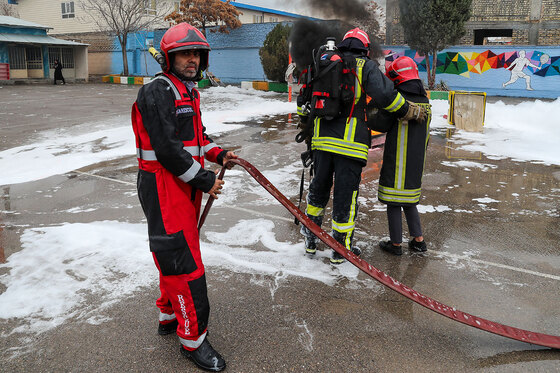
x=274, y=53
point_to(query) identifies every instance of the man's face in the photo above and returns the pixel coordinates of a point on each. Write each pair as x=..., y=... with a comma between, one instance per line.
x=186, y=63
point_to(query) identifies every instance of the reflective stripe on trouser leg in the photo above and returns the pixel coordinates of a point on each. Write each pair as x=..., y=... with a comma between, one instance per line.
x=163, y=317
x=345, y=199
x=319, y=189
x=343, y=232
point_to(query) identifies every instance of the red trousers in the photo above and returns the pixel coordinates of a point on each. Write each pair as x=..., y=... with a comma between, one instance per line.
x=172, y=208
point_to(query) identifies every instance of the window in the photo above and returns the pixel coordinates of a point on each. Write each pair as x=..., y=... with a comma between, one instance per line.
x=67, y=9
x=34, y=58
x=17, y=58
x=258, y=19
x=492, y=36
x=176, y=6
x=150, y=6
x=273, y=19
x=64, y=55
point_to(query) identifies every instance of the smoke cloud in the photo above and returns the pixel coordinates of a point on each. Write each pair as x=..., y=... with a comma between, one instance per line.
x=307, y=35
x=346, y=10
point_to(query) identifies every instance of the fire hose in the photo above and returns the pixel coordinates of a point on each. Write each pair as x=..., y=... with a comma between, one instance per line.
x=431, y=304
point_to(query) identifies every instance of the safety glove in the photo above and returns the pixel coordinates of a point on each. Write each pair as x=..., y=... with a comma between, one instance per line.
x=415, y=112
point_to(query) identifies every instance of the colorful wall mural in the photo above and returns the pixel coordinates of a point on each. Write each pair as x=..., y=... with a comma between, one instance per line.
x=523, y=71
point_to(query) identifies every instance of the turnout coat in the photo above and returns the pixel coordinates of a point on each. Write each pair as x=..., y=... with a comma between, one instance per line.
x=404, y=154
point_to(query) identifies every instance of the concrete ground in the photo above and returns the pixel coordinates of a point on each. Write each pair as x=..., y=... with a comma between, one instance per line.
x=277, y=323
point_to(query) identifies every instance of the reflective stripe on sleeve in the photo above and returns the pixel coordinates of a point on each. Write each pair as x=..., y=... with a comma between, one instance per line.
x=208, y=147
x=146, y=155
x=191, y=172
x=193, y=344
x=397, y=103
x=195, y=151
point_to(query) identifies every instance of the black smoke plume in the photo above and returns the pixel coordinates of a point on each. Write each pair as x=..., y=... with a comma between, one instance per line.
x=346, y=10
x=307, y=35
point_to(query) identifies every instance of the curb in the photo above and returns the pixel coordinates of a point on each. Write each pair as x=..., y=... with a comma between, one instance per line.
x=266, y=86
x=140, y=80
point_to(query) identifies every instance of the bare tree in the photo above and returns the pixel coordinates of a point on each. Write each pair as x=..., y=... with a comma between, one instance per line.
x=372, y=20
x=7, y=9
x=206, y=13
x=122, y=17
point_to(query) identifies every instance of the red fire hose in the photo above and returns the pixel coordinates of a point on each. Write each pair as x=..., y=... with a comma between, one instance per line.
x=454, y=314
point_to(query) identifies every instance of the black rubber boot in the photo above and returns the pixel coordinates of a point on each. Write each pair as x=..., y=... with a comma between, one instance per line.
x=206, y=357
x=417, y=246
x=310, y=238
x=310, y=245
x=164, y=329
x=390, y=248
x=336, y=258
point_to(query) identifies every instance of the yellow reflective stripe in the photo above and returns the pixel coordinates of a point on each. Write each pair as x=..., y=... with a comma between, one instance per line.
x=300, y=110
x=314, y=210
x=353, y=206
x=397, y=103
x=343, y=227
x=350, y=130
x=402, y=145
x=316, y=127
x=391, y=198
x=395, y=195
x=351, y=145
x=334, y=148
x=360, y=62
x=399, y=191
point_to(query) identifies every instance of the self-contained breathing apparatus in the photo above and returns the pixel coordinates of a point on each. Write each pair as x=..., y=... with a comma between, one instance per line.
x=327, y=88
x=327, y=92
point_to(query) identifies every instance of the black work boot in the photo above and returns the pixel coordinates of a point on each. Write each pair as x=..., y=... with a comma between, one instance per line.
x=417, y=246
x=390, y=248
x=336, y=258
x=171, y=327
x=206, y=357
x=310, y=245
x=310, y=238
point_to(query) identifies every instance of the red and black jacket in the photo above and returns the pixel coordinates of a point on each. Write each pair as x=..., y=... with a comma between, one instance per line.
x=169, y=133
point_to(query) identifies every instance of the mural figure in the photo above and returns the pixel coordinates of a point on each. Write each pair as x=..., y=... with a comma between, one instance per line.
x=517, y=67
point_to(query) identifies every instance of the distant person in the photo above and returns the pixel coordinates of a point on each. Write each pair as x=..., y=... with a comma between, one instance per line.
x=404, y=157
x=517, y=67
x=171, y=146
x=58, y=72
x=340, y=144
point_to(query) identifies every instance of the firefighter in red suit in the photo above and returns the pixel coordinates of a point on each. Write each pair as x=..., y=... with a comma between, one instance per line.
x=171, y=148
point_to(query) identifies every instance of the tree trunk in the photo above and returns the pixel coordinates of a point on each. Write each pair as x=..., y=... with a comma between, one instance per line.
x=429, y=71
x=122, y=40
x=434, y=68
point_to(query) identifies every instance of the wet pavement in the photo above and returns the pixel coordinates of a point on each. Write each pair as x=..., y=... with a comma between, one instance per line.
x=492, y=228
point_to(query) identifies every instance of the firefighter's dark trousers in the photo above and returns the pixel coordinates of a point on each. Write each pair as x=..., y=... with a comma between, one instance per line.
x=345, y=174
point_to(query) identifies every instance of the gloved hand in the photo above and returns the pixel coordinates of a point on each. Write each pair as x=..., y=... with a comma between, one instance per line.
x=415, y=112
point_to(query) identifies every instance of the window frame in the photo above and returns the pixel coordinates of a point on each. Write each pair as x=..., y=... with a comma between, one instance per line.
x=67, y=9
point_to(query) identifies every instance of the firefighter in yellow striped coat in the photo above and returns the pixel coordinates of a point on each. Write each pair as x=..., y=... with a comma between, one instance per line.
x=340, y=145
x=403, y=159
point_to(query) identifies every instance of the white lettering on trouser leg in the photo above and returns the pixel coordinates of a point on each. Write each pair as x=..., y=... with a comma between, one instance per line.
x=184, y=313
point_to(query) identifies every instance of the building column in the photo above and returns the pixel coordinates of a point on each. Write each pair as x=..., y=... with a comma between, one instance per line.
x=390, y=6
x=535, y=21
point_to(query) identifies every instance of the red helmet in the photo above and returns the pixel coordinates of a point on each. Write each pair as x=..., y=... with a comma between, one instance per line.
x=184, y=36
x=402, y=69
x=361, y=35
